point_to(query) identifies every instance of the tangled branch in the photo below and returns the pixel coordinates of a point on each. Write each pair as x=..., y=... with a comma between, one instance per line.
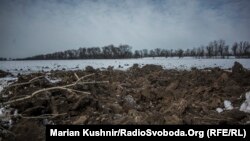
x=25, y=83
x=65, y=87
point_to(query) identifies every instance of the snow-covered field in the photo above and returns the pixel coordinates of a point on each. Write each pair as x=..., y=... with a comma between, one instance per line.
x=168, y=63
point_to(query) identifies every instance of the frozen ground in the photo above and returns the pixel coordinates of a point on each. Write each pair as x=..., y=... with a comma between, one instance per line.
x=168, y=63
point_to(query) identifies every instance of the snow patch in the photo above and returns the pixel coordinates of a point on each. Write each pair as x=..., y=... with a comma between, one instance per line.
x=245, y=106
x=1, y=87
x=5, y=116
x=16, y=113
x=46, y=122
x=2, y=112
x=6, y=81
x=219, y=110
x=53, y=80
x=228, y=105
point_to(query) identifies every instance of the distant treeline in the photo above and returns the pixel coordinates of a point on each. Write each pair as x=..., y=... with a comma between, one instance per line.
x=3, y=59
x=215, y=49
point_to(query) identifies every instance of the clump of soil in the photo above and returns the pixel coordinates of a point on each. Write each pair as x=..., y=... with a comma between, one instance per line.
x=147, y=95
x=237, y=68
x=4, y=74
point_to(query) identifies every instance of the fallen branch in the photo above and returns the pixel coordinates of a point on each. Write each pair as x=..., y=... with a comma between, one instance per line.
x=76, y=76
x=42, y=116
x=56, y=88
x=25, y=83
x=93, y=82
x=210, y=118
x=39, y=91
x=84, y=77
x=79, y=91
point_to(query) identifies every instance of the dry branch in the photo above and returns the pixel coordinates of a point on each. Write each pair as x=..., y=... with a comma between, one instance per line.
x=42, y=116
x=25, y=83
x=79, y=91
x=39, y=91
x=84, y=77
x=76, y=76
x=210, y=118
x=56, y=88
x=93, y=82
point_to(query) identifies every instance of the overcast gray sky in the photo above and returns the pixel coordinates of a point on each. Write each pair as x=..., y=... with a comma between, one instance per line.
x=31, y=27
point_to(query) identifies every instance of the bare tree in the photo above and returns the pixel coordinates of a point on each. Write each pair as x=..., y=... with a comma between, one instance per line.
x=145, y=52
x=221, y=45
x=180, y=53
x=226, y=51
x=235, y=48
x=210, y=50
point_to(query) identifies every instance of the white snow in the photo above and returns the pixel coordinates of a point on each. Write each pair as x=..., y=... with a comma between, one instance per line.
x=5, y=116
x=6, y=81
x=219, y=110
x=46, y=122
x=1, y=88
x=16, y=113
x=2, y=112
x=248, y=95
x=245, y=106
x=16, y=67
x=53, y=80
x=10, y=122
x=228, y=105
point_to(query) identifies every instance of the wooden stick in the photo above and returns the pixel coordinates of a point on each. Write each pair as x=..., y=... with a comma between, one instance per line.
x=57, y=87
x=209, y=118
x=84, y=77
x=37, y=92
x=80, y=91
x=25, y=83
x=93, y=82
x=42, y=116
x=76, y=76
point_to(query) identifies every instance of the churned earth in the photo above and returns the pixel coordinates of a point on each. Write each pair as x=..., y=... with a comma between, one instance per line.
x=138, y=95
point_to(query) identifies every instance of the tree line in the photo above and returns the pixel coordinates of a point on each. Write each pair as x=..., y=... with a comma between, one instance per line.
x=3, y=59
x=215, y=49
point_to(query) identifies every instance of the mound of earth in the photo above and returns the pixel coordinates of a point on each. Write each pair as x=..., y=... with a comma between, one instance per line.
x=4, y=74
x=147, y=95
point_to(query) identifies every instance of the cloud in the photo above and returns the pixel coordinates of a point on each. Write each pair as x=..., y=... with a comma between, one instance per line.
x=34, y=26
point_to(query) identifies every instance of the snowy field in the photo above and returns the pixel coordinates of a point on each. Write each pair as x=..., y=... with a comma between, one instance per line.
x=168, y=63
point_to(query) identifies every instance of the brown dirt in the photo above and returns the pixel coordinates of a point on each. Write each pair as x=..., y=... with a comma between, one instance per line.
x=147, y=95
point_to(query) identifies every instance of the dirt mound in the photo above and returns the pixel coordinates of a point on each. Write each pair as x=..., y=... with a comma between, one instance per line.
x=150, y=68
x=237, y=68
x=89, y=69
x=4, y=74
x=147, y=95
